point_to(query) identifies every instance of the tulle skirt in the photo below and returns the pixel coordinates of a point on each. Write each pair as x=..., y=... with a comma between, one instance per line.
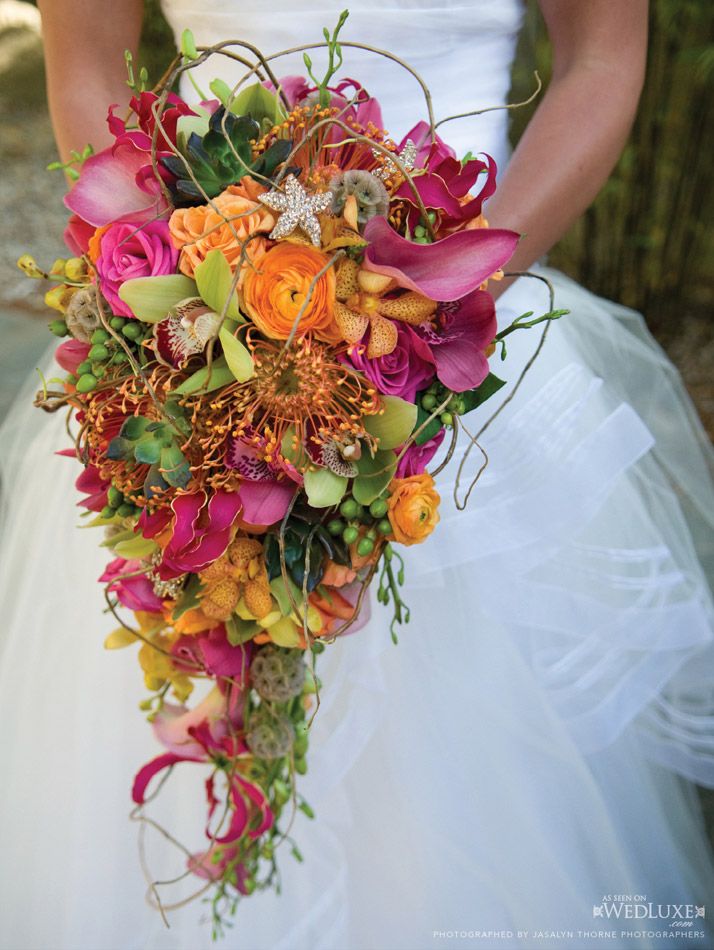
x=517, y=772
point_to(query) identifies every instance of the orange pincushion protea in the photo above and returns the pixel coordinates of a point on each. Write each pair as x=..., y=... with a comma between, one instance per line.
x=298, y=396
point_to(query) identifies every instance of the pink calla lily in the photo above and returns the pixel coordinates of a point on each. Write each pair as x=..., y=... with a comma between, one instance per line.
x=446, y=270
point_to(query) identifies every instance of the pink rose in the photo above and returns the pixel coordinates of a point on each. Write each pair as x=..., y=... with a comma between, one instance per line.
x=404, y=371
x=132, y=250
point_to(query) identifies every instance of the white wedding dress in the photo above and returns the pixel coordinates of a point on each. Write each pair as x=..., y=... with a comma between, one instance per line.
x=529, y=748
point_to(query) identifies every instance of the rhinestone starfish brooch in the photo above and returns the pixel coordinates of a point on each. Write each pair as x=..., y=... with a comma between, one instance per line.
x=298, y=209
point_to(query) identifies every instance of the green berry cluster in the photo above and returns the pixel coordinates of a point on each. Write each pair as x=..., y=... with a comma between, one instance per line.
x=421, y=232
x=106, y=352
x=118, y=506
x=436, y=395
x=355, y=518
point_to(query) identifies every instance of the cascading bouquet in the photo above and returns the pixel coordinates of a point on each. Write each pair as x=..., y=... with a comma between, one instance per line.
x=275, y=314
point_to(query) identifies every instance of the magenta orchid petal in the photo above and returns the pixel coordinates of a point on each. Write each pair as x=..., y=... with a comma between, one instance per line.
x=222, y=659
x=445, y=270
x=417, y=457
x=107, y=190
x=266, y=502
x=458, y=338
x=148, y=771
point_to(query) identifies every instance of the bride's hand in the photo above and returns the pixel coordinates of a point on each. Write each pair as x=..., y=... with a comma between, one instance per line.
x=84, y=44
x=577, y=134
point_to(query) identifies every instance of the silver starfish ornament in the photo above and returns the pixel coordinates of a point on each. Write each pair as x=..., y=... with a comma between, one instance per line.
x=298, y=208
x=407, y=157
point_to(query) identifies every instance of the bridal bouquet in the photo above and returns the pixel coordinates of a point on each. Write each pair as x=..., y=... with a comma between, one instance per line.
x=274, y=315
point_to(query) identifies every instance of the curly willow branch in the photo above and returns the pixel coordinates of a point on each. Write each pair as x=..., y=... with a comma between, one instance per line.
x=524, y=372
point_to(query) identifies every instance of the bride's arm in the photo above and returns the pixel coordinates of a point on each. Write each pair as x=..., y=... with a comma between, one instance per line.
x=84, y=44
x=575, y=137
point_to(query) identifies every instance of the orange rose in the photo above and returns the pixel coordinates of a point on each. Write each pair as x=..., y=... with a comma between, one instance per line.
x=274, y=294
x=236, y=215
x=413, y=508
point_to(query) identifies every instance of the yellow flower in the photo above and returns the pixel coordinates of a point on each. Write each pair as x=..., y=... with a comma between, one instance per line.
x=154, y=656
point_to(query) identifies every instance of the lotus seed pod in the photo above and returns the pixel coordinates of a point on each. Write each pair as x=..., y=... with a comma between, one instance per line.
x=269, y=736
x=277, y=674
x=82, y=314
x=371, y=195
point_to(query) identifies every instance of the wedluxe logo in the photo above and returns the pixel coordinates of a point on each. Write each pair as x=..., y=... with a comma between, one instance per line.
x=637, y=907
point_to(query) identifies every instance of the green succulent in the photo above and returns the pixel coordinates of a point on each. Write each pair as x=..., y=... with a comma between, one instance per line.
x=148, y=442
x=223, y=156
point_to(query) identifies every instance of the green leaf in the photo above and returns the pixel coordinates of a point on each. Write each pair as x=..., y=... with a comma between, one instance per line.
x=137, y=547
x=279, y=590
x=324, y=488
x=374, y=476
x=220, y=375
x=189, y=599
x=240, y=631
x=134, y=427
x=395, y=424
x=238, y=357
x=151, y=298
x=221, y=90
x=259, y=103
x=147, y=451
x=475, y=397
x=214, y=279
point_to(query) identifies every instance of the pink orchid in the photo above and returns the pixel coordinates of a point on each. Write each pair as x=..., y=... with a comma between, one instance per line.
x=458, y=338
x=135, y=593
x=446, y=270
x=201, y=531
x=208, y=734
x=267, y=488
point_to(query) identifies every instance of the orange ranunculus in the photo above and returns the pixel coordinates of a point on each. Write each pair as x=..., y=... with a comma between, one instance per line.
x=274, y=294
x=413, y=508
x=237, y=214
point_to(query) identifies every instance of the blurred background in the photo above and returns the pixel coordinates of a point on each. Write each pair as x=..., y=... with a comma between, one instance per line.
x=646, y=242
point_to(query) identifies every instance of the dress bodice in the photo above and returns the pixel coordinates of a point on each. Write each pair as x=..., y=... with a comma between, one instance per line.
x=463, y=50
